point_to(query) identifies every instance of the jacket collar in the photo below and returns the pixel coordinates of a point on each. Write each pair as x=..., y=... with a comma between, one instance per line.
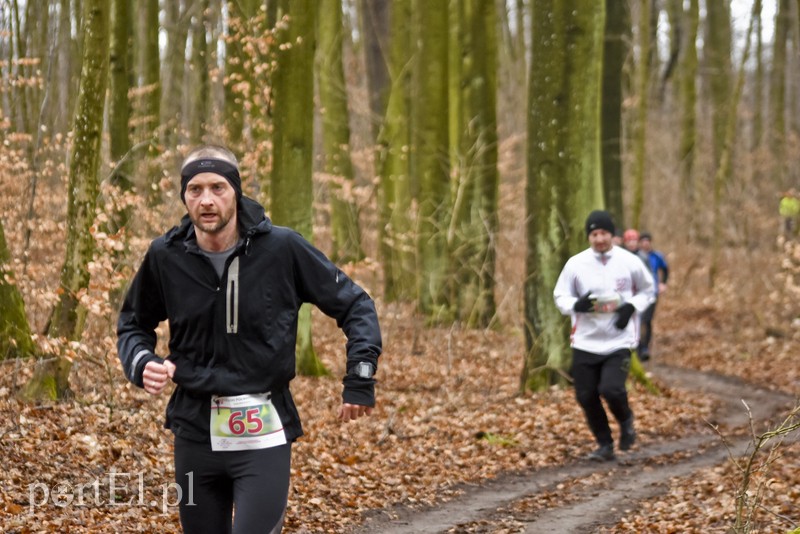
x=250, y=214
x=604, y=256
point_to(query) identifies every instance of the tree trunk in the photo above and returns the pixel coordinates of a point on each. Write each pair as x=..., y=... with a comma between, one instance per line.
x=717, y=52
x=336, y=164
x=200, y=105
x=375, y=28
x=19, y=100
x=68, y=316
x=15, y=331
x=564, y=180
x=293, y=140
x=50, y=381
x=615, y=50
x=177, y=21
x=397, y=211
x=67, y=319
x=675, y=15
x=472, y=234
x=62, y=74
x=722, y=176
x=119, y=106
x=148, y=109
x=430, y=158
x=758, y=87
x=642, y=105
x=689, y=114
x=777, y=92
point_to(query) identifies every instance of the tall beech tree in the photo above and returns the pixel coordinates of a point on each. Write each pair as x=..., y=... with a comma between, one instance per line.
x=293, y=140
x=777, y=90
x=148, y=105
x=199, y=113
x=717, y=52
x=68, y=316
x=642, y=106
x=473, y=227
x=564, y=180
x=724, y=165
x=119, y=109
x=615, y=50
x=429, y=158
x=336, y=163
x=397, y=209
x=375, y=29
x=688, y=112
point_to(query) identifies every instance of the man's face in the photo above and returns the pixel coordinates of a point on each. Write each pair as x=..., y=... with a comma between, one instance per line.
x=645, y=245
x=210, y=201
x=600, y=240
x=632, y=244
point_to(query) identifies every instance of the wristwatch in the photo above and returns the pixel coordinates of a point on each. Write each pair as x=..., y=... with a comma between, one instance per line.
x=362, y=370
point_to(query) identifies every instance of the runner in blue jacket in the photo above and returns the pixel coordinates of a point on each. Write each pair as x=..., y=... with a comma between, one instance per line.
x=231, y=284
x=658, y=266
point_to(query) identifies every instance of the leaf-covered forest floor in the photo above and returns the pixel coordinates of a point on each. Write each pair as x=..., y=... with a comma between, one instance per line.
x=449, y=417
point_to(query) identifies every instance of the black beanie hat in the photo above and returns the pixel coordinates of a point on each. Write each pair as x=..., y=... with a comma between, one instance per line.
x=226, y=169
x=599, y=219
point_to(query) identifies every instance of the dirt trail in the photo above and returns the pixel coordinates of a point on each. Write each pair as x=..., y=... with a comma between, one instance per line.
x=635, y=475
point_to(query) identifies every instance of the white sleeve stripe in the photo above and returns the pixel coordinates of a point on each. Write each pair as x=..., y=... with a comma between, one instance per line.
x=136, y=359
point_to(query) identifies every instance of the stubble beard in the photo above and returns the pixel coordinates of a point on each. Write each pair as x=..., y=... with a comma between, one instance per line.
x=212, y=228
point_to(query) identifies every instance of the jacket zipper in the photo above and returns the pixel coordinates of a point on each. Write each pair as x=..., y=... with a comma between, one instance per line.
x=232, y=297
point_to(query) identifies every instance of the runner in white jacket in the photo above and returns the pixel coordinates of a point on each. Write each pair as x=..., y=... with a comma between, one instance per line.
x=601, y=288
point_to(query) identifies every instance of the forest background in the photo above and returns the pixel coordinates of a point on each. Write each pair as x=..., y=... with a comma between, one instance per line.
x=445, y=154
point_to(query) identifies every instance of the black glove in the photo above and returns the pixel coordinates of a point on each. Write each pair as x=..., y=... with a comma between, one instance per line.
x=584, y=304
x=624, y=314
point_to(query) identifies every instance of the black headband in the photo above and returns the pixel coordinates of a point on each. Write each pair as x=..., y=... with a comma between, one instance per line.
x=226, y=169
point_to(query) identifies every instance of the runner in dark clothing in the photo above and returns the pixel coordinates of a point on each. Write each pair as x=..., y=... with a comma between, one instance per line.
x=231, y=285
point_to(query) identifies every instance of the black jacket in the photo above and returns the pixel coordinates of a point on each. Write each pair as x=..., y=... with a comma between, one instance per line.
x=237, y=335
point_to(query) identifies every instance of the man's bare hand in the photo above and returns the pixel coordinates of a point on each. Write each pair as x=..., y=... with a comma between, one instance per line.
x=351, y=412
x=156, y=376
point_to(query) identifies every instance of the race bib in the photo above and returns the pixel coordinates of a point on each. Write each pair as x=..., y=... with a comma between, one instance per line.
x=245, y=422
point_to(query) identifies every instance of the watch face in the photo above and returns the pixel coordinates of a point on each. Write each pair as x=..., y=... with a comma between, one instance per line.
x=364, y=370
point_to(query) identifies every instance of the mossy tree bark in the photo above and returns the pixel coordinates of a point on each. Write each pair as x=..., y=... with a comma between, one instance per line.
x=430, y=158
x=777, y=92
x=375, y=29
x=291, y=184
x=642, y=106
x=564, y=180
x=68, y=316
x=688, y=113
x=724, y=165
x=119, y=109
x=473, y=228
x=717, y=52
x=397, y=210
x=615, y=50
x=336, y=164
x=15, y=331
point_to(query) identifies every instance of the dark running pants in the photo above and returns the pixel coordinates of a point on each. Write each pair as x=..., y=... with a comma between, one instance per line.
x=602, y=375
x=255, y=483
x=647, y=329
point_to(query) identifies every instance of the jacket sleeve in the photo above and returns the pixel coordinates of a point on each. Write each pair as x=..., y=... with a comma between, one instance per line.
x=644, y=286
x=323, y=284
x=564, y=292
x=142, y=310
x=662, y=266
